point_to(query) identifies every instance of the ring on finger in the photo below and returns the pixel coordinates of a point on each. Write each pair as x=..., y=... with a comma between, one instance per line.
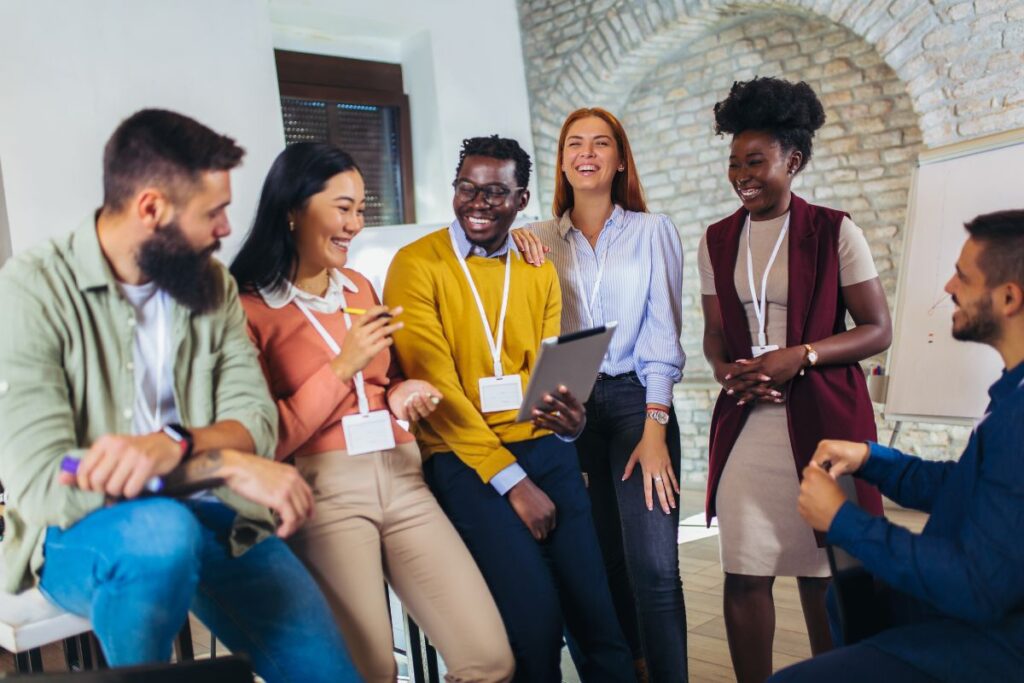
x=657, y=478
x=556, y=413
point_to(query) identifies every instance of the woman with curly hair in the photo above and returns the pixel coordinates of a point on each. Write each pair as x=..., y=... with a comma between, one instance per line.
x=778, y=277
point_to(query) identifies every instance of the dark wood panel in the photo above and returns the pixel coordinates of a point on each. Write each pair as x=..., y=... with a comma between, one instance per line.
x=340, y=72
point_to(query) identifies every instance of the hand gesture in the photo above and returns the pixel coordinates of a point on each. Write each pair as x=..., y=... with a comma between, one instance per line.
x=119, y=465
x=840, y=457
x=413, y=400
x=529, y=245
x=656, y=469
x=561, y=412
x=533, y=507
x=820, y=498
x=275, y=485
x=370, y=334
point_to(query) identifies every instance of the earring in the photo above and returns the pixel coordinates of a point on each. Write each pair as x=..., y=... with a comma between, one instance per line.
x=621, y=169
x=291, y=226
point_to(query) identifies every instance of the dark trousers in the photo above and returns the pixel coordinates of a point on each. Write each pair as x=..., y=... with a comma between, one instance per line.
x=539, y=587
x=639, y=546
x=852, y=664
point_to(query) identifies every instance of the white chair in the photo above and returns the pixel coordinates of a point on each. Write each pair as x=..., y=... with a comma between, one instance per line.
x=28, y=621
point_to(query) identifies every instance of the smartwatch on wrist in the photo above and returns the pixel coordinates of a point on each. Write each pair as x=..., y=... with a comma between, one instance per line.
x=180, y=436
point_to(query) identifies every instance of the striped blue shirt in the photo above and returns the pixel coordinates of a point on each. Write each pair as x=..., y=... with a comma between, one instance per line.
x=641, y=288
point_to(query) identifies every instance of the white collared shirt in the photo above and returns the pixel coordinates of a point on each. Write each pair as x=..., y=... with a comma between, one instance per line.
x=332, y=300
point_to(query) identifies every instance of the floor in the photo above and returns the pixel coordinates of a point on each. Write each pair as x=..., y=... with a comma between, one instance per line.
x=702, y=584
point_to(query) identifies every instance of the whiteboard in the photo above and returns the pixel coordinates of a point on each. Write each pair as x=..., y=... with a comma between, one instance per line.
x=933, y=377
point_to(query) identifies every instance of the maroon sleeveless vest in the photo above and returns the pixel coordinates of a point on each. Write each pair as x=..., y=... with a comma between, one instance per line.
x=828, y=402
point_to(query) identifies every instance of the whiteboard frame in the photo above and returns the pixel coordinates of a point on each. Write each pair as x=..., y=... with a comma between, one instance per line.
x=927, y=157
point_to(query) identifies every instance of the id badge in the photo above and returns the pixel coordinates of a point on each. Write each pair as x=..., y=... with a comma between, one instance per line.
x=370, y=432
x=500, y=393
x=761, y=350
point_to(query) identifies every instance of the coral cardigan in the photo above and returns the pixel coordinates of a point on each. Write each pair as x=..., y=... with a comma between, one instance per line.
x=311, y=399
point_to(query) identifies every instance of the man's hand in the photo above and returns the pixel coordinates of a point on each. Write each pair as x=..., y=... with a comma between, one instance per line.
x=120, y=465
x=278, y=486
x=413, y=400
x=529, y=245
x=820, y=498
x=560, y=412
x=533, y=507
x=841, y=457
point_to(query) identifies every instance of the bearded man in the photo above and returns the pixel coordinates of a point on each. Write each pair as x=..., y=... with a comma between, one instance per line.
x=951, y=598
x=125, y=369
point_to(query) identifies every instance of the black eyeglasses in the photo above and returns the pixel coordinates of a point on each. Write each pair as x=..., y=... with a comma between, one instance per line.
x=494, y=195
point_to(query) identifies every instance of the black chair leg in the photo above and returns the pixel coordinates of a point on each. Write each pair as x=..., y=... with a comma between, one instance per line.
x=85, y=647
x=30, y=661
x=72, y=654
x=183, y=644
x=433, y=672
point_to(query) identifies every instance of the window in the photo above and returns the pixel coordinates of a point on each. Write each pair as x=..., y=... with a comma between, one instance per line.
x=359, y=106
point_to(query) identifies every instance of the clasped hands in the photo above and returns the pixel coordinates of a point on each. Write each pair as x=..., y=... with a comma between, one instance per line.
x=762, y=378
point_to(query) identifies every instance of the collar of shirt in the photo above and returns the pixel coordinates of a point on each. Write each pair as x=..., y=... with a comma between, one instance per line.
x=1011, y=381
x=616, y=220
x=467, y=248
x=330, y=302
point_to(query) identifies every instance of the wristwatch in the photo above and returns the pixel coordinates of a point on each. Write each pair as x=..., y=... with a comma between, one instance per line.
x=658, y=415
x=182, y=437
x=811, y=356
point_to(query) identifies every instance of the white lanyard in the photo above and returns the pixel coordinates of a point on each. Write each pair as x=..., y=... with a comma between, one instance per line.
x=760, y=307
x=493, y=344
x=154, y=415
x=588, y=302
x=364, y=405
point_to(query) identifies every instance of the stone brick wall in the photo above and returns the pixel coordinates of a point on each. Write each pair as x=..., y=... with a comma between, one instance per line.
x=894, y=76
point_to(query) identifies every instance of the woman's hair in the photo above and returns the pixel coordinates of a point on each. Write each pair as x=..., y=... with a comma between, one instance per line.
x=789, y=112
x=626, y=189
x=268, y=255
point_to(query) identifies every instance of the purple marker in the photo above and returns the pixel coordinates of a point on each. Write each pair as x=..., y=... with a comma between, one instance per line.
x=70, y=464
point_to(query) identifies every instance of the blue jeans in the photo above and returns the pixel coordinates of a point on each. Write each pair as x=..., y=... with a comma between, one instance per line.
x=539, y=587
x=135, y=569
x=640, y=548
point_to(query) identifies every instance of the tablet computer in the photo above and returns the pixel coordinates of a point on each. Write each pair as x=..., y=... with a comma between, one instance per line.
x=571, y=359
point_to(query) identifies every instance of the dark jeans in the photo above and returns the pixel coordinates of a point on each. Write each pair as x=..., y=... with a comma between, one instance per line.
x=640, y=546
x=538, y=585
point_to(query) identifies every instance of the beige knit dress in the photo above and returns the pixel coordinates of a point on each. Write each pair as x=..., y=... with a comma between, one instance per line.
x=760, y=531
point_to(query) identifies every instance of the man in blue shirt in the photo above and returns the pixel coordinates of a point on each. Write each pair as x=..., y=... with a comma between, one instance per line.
x=953, y=595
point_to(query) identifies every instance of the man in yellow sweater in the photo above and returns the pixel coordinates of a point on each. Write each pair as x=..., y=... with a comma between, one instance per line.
x=475, y=313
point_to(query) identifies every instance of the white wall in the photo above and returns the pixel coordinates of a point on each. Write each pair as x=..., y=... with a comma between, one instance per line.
x=70, y=71
x=462, y=63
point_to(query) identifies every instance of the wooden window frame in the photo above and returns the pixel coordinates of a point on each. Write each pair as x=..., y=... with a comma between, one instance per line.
x=359, y=82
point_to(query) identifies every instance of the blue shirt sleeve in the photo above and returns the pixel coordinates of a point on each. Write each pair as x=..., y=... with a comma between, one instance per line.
x=974, y=574
x=659, y=353
x=906, y=479
x=507, y=478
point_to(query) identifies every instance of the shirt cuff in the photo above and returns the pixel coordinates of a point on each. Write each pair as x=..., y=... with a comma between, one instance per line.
x=847, y=525
x=571, y=439
x=659, y=389
x=507, y=478
x=879, y=459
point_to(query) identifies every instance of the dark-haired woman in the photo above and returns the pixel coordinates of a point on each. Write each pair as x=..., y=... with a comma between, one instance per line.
x=617, y=262
x=777, y=280
x=339, y=394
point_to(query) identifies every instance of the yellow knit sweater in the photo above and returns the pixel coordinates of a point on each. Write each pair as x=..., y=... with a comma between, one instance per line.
x=443, y=342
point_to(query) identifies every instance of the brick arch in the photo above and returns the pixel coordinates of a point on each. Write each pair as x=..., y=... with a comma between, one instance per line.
x=959, y=63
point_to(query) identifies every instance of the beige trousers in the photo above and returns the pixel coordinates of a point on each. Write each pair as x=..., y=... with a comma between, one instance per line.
x=376, y=519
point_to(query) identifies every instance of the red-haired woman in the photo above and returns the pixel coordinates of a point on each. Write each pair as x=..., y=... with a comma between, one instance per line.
x=617, y=262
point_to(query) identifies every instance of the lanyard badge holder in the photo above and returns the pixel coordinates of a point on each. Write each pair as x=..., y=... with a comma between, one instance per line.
x=588, y=302
x=760, y=306
x=367, y=431
x=499, y=392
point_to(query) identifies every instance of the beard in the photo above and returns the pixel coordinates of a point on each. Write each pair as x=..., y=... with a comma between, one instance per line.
x=980, y=324
x=190, y=277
